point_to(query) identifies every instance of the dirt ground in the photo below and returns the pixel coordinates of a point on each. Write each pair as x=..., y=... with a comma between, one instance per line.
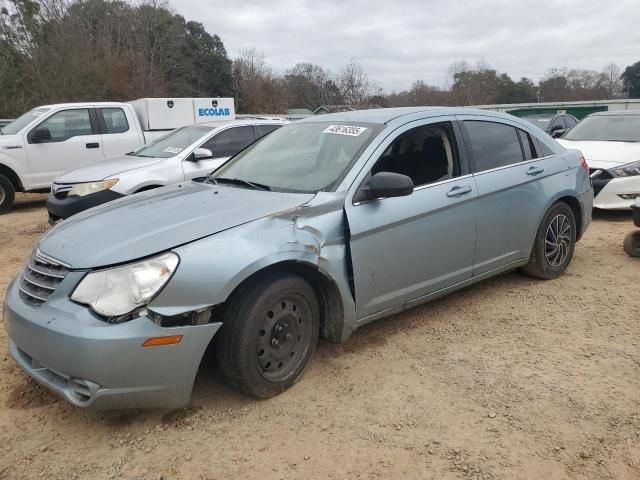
x=513, y=378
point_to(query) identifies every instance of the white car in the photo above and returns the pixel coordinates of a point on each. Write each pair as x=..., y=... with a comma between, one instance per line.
x=186, y=153
x=610, y=142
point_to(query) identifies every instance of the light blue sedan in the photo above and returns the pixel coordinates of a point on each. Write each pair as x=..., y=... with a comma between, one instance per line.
x=321, y=227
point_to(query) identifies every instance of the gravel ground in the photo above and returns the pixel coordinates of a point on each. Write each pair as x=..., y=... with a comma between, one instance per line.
x=513, y=378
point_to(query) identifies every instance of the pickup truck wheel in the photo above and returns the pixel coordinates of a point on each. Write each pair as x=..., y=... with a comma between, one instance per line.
x=554, y=244
x=7, y=194
x=632, y=244
x=269, y=333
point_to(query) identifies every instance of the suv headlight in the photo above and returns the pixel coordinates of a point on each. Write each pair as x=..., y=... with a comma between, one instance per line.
x=84, y=189
x=115, y=292
x=628, y=170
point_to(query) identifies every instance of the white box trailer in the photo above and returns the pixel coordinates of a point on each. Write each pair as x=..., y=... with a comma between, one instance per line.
x=170, y=113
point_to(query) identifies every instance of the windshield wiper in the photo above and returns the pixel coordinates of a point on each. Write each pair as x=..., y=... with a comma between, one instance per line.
x=239, y=181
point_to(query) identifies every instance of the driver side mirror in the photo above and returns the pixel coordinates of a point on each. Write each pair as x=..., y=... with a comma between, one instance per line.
x=202, y=154
x=385, y=185
x=41, y=135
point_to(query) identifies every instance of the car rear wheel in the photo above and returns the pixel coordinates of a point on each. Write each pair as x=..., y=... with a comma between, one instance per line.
x=7, y=194
x=632, y=243
x=554, y=244
x=269, y=334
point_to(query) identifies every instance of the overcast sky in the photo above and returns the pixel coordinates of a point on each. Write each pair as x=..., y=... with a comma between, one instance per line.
x=400, y=41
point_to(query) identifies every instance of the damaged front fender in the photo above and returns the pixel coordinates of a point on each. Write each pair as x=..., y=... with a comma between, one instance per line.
x=313, y=235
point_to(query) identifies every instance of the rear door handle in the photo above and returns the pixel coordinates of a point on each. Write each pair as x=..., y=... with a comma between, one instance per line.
x=535, y=170
x=93, y=145
x=458, y=191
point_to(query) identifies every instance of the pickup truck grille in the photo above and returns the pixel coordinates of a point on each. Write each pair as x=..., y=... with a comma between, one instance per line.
x=40, y=277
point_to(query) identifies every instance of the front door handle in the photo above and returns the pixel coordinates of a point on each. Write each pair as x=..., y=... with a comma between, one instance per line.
x=535, y=170
x=93, y=145
x=458, y=191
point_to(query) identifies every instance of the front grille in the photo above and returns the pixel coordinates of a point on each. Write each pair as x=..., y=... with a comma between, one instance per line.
x=40, y=277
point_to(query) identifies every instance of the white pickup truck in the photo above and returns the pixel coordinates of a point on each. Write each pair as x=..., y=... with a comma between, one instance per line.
x=49, y=140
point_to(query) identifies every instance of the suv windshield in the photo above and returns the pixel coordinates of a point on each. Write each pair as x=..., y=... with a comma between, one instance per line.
x=23, y=120
x=303, y=157
x=541, y=121
x=611, y=128
x=173, y=143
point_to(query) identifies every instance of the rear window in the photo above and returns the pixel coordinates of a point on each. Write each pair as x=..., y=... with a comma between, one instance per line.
x=494, y=144
x=265, y=129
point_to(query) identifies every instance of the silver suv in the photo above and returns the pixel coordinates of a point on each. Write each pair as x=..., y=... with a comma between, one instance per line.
x=321, y=227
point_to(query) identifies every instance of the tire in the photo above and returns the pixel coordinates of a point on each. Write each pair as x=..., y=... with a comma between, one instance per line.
x=551, y=254
x=269, y=333
x=632, y=244
x=7, y=194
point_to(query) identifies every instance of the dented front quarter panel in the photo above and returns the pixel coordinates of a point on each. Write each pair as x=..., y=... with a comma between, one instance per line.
x=212, y=268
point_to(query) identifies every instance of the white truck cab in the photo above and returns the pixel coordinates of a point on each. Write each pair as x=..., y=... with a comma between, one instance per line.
x=52, y=139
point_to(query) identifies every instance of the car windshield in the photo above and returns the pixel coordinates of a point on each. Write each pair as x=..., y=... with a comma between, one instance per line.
x=23, y=120
x=300, y=157
x=610, y=128
x=173, y=143
x=541, y=121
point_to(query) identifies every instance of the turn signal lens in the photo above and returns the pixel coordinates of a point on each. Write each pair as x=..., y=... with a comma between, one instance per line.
x=159, y=341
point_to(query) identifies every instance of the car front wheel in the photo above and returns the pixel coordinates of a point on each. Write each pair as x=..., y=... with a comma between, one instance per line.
x=269, y=334
x=554, y=244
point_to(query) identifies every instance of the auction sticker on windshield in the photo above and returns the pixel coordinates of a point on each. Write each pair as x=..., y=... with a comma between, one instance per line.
x=173, y=150
x=344, y=130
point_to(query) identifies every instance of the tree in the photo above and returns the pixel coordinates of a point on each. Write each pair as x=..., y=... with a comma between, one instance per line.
x=611, y=81
x=631, y=79
x=256, y=88
x=355, y=86
x=310, y=86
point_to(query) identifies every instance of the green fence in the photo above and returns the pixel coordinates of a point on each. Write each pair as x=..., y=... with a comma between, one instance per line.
x=576, y=111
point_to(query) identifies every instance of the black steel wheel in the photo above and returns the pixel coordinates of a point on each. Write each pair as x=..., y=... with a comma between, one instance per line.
x=269, y=334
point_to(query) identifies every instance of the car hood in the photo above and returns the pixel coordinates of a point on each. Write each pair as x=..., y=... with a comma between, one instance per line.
x=146, y=223
x=605, y=154
x=109, y=168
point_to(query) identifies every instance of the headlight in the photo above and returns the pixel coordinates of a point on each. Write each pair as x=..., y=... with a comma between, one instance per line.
x=83, y=189
x=118, y=291
x=628, y=170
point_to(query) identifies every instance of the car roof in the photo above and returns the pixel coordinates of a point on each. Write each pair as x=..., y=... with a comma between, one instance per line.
x=542, y=115
x=615, y=112
x=387, y=115
x=240, y=121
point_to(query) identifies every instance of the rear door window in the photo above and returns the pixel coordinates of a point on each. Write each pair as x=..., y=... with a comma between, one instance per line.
x=493, y=144
x=569, y=121
x=115, y=120
x=229, y=142
x=528, y=145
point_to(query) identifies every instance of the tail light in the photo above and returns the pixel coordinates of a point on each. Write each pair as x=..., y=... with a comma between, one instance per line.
x=584, y=164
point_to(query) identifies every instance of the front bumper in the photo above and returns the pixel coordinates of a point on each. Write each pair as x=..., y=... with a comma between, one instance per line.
x=64, y=207
x=608, y=192
x=94, y=364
